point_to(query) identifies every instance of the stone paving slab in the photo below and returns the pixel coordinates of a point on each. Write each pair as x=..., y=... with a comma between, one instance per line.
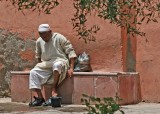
x=5, y=100
x=141, y=108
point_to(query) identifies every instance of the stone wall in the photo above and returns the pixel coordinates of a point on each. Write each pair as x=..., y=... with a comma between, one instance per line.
x=15, y=54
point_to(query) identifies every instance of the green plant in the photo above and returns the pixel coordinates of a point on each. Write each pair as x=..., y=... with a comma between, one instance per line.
x=126, y=14
x=106, y=105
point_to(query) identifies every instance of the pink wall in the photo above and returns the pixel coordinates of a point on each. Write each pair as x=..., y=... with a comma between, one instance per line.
x=148, y=62
x=105, y=52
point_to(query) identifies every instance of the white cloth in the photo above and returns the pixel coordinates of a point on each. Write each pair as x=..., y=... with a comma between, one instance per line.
x=39, y=76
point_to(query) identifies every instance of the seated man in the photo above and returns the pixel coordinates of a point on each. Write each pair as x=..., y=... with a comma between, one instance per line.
x=56, y=57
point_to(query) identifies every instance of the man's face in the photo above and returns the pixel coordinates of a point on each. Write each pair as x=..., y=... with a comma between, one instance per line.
x=45, y=35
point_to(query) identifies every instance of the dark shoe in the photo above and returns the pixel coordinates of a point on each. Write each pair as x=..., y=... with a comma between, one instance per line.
x=47, y=103
x=37, y=102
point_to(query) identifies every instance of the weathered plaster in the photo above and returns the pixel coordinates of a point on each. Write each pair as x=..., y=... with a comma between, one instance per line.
x=15, y=54
x=105, y=53
x=131, y=58
x=148, y=62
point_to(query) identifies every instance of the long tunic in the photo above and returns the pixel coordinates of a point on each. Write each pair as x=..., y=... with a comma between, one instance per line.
x=58, y=48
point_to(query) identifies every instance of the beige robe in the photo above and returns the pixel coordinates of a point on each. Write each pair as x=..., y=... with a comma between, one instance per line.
x=57, y=49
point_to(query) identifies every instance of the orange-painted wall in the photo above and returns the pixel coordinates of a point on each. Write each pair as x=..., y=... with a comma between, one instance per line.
x=105, y=53
x=148, y=62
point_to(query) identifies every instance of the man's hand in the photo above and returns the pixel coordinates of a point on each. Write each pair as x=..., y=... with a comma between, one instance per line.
x=70, y=72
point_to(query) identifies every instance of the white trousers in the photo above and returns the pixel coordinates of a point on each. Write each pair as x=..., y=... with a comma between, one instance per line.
x=40, y=76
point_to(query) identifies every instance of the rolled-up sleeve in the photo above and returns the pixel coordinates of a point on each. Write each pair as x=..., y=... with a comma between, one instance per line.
x=38, y=50
x=68, y=48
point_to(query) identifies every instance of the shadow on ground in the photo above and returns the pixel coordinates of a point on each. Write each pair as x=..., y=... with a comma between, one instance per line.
x=20, y=107
x=71, y=109
x=15, y=107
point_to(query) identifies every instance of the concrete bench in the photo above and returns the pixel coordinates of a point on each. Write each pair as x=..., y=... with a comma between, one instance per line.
x=99, y=84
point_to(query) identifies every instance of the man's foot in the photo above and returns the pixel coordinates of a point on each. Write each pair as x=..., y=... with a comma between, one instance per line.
x=47, y=103
x=37, y=102
x=54, y=92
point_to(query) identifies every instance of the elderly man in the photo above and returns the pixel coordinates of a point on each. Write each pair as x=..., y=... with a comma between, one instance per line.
x=56, y=57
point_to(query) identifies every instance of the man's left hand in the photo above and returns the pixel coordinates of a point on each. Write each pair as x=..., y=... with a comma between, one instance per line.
x=70, y=72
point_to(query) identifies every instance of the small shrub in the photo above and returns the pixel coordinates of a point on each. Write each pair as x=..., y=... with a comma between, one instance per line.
x=101, y=106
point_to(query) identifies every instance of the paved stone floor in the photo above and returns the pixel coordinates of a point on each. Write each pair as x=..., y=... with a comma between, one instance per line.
x=142, y=108
x=7, y=107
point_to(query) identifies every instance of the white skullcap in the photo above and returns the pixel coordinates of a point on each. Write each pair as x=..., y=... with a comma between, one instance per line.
x=43, y=28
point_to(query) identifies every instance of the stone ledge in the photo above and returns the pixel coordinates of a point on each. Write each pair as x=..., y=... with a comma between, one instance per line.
x=85, y=73
x=98, y=84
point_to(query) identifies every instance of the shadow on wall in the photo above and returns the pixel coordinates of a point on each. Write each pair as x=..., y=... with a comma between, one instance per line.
x=15, y=54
